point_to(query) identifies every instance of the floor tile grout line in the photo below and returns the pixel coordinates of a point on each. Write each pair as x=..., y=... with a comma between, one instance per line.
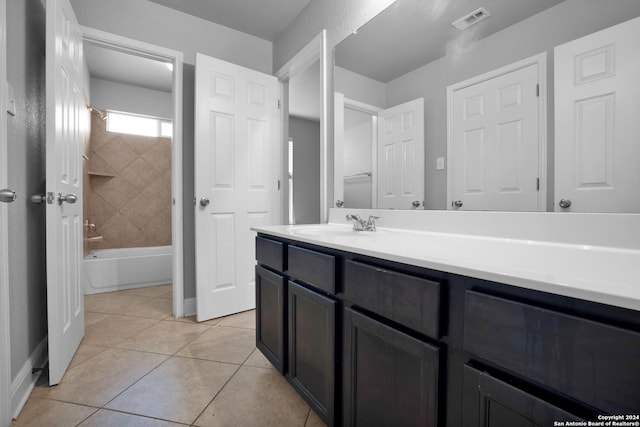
x=89, y=416
x=142, y=416
x=216, y=395
x=104, y=406
x=306, y=421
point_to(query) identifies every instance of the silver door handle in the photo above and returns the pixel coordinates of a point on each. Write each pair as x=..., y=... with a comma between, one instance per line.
x=565, y=203
x=204, y=201
x=415, y=204
x=69, y=198
x=457, y=204
x=38, y=198
x=339, y=203
x=7, y=196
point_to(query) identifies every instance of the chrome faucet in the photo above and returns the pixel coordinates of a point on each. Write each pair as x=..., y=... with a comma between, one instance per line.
x=360, y=224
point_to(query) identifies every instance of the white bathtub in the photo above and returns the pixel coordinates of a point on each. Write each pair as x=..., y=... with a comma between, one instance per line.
x=107, y=270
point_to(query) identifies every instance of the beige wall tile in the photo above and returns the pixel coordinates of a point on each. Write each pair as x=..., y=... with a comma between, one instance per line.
x=117, y=154
x=132, y=209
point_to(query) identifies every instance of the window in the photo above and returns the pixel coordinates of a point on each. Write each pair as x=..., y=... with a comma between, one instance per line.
x=135, y=124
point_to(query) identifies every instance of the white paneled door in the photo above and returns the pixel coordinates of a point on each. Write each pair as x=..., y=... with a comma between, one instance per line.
x=494, y=143
x=65, y=105
x=400, y=155
x=236, y=180
x=597, y=116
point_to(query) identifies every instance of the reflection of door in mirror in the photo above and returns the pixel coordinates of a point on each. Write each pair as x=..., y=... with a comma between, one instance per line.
x=379, y=155
x=401, y=156
x=354, y=144
x=495, y=140
x=597, y=121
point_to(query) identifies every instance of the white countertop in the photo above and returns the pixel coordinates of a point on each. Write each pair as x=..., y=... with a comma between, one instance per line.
x=596, y=273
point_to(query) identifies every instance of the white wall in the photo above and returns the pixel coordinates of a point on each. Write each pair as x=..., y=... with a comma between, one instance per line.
x=152, y=23
x=360, y=88
x=565, y=22
x=107, y=95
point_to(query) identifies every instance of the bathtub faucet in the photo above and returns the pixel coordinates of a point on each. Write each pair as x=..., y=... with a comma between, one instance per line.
x=89, y=226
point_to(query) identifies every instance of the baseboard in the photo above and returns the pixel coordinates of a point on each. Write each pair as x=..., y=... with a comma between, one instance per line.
x=24, y=382
x=189, y=307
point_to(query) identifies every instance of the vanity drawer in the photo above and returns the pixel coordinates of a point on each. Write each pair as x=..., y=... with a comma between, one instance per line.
x=314, y=268
x=270, y=253
x=411, y=301
x=590, y=361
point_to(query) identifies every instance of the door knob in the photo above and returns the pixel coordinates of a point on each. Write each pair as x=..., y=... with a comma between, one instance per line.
x=565, y=203
x=38, y=198
x=339, y=203
x=457, y=204
x=415, y=204
x=7, y=196
x=69, y=198
x=204, y=201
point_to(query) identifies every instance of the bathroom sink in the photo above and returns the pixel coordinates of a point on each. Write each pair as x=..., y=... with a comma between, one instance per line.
x=329, y=230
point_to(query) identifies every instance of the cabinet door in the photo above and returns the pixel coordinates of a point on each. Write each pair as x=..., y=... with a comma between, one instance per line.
x=390, y=378
x=312, y=349
x=490, y=402
x=270, y=316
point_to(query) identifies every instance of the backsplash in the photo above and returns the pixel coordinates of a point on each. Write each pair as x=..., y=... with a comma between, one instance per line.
x=129, y=189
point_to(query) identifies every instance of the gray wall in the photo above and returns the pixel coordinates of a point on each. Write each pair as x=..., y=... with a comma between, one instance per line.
x=152, y=23
x=109, y=95
x=306, y=170
x=567, y=21
x=26, y=150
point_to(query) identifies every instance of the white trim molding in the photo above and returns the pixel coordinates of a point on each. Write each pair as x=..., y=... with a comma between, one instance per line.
x=315, y=50
x=26, y=378
x=147, y=50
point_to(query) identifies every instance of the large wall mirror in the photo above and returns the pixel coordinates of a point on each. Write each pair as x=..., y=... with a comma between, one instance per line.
x=512, y=105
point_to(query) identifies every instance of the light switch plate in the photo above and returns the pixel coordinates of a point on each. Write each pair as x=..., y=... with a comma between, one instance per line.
x=440, y=163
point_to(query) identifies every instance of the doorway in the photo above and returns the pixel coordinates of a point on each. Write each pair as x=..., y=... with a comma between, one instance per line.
x=150, y=77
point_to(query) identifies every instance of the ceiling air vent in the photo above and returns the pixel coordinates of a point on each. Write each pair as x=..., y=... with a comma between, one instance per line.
x=471, y=19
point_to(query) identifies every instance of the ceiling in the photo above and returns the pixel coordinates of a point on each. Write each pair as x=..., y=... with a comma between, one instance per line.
x=120, y=67
x=264, y=19
x=411, y=33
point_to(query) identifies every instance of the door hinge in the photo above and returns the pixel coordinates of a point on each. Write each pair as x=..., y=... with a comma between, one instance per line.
x=537, y=184
x=279, y=104
x=278, y=184
x=538, y=90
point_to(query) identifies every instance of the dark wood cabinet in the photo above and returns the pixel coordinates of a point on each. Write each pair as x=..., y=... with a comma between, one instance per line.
x=371, y=342
x=312, y=354
x=490, y=402
x=390, y=378
x=571, y=355
x=271, y=316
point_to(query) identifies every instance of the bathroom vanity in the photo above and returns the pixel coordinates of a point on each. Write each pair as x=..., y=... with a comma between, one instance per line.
x=404, y=328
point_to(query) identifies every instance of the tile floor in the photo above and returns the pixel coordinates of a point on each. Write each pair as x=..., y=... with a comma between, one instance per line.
x=139, y=366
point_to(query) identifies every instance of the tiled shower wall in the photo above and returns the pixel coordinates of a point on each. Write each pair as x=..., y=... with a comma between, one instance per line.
x=129, y=188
